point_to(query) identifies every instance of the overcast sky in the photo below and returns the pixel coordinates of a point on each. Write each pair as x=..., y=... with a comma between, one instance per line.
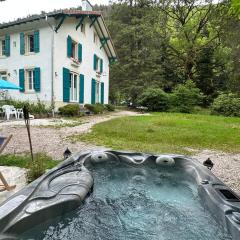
x=12, y=9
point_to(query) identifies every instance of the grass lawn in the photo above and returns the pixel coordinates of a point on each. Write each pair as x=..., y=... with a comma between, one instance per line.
x=167, y=133
x=24, y=160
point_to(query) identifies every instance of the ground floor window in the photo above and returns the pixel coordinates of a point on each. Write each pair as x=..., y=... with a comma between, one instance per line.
x=74, y=87
x=29, y=85
x=97, y=92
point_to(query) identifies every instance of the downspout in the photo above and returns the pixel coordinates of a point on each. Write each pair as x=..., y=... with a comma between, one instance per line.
x=52, y=67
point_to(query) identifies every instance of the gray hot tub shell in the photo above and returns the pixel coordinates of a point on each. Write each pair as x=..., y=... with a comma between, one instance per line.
x=65, y=187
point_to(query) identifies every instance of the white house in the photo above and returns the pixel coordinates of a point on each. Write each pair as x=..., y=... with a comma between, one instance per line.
x=58, y=57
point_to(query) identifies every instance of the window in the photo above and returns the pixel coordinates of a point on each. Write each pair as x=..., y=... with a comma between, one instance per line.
x=29, y=80
x=74, y=50
x=74, y=53
x=2, y=47
x=95, y=37
x=83, y=28
x=74, y=87
x=29, y=43
x=98, y=64
x=3, y=75
x=97, y=92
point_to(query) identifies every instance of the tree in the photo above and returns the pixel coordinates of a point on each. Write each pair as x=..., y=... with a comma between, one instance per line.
x=236, y=6
x=163, y=43
x=190, y=29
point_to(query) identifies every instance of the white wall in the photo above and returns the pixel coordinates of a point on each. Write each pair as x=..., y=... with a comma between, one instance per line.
x=43, y=59
x=86, y=67
x=16, y=61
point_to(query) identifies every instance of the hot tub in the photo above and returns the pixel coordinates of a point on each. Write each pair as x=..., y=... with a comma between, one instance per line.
x=120, y=195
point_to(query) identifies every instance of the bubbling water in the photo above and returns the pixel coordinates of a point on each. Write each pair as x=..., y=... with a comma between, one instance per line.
x=132, y=203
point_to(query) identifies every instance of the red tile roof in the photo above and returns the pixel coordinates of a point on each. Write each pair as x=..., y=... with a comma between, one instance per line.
x=73, y=12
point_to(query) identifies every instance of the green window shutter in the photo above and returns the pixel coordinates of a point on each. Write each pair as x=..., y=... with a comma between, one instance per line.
x=22, y=44
x=36, y=41
x=37, y=79
x=102, y=93
x=80, y=52
x=21, y=80
x=66, y=85
x=7, y=45
x=95, y=62
x=93, y=93
x=81, y=89
x=101, y=65
x=69, y=46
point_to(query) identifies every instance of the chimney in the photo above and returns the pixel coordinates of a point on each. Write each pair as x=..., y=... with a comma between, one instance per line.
x=86, y=5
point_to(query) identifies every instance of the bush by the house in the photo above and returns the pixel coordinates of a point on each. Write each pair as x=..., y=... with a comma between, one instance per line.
x=109, y=107
x=95, y=108
x=38, y=108
x=185, y=97
x=70, y=110
x=227, y=105
x=155, y=99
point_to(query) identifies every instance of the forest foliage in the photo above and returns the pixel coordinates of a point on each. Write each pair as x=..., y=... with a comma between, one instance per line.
x=164, y=43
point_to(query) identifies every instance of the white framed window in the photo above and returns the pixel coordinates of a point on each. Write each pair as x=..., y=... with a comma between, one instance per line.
x=3, y=75
x=74, y=53
x=29, y=42
x=97, y=92
x=2, y=47
x=98, y=64
x=95, y=37
x=29, y=83
x=74, y=87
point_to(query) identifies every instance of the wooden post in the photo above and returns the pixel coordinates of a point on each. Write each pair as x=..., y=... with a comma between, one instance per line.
x=5, y=184
x=27, y=123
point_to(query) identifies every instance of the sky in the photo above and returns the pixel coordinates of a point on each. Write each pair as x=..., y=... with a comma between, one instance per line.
x=13, y=9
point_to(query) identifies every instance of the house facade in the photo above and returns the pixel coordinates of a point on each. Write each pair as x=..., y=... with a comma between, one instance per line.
x=58, y=57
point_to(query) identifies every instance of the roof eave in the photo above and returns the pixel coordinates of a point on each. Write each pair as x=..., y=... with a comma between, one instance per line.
x=111, y=51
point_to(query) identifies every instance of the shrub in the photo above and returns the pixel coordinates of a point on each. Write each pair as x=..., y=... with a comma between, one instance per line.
x=155, y=99
x=227, y=105
x=34, y=108
x=39, y=108
x=109, y=107
x=39, y=165
x=185, y=97
x=95, y=108
x=70, y=110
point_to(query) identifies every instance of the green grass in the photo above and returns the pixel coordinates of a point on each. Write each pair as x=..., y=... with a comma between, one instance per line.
x=24, y=160
x=167, y=132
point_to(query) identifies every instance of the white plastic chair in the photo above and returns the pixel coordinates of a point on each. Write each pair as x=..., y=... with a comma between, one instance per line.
x=19, y=112
x=9, y=111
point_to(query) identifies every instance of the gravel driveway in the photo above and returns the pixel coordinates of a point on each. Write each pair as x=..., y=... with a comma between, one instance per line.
x=54, y=142
x=50, y=140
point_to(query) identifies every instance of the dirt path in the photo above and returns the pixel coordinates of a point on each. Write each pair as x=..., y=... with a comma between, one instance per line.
x=50, y=140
